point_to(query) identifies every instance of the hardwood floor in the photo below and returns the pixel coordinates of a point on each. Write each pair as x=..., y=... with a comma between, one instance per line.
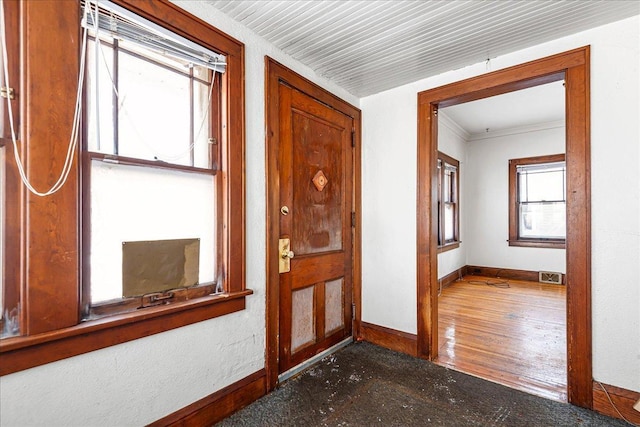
x=513, y=333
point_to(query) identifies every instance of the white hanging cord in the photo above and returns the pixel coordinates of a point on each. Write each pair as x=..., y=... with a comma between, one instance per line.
x=73, y=140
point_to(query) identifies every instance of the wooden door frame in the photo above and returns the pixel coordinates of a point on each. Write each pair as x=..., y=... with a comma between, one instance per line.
x=275, y=74
x=573, y=66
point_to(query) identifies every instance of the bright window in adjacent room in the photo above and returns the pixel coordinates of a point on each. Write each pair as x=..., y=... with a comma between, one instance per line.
x=538, y=201
x=448, y=203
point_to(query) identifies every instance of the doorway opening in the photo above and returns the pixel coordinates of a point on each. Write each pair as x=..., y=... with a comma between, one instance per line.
x=497, y=318
x=573, y=68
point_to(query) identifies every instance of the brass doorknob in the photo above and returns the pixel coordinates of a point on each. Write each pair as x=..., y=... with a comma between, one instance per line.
x=287, y=254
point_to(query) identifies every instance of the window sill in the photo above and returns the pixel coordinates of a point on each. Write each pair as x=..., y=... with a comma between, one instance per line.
x=448, y=247
x=20, y=353
x=538, y=243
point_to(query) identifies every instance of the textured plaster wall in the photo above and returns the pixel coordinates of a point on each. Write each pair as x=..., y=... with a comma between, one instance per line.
x=389, y=195
x=138, y=382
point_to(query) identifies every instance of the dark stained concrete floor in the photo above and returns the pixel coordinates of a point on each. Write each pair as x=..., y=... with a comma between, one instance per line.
x=366, y=385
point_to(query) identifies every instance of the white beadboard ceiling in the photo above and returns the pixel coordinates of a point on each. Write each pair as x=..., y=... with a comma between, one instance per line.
x=370, y=46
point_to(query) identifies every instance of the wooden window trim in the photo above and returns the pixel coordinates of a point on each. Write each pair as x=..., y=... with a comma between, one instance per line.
x=447, y=246
x=514, y=239
x=49, y=230
x=11, y=290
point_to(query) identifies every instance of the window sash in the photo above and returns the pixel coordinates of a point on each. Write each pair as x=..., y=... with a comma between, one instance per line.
x=537, y=201
x=447, y=203
x=154, y=205
x=544, y=221
x=544, y=182
x=203, y=122
x=107, y=135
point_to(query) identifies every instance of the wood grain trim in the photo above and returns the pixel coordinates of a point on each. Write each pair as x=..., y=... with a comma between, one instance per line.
x=427, y=231
x=179, y=21
x=392, y=339
x=450, y=278
x=219, y=405
x=27, y=352
x=578, y=241
x=506, y=273
x=623, y=400
x=328, y=266
x=529, y=74
x=50, y=260
x=573, y=66
x=14, y=191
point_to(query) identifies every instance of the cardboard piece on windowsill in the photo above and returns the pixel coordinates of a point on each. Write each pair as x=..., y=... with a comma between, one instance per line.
x=159, y=265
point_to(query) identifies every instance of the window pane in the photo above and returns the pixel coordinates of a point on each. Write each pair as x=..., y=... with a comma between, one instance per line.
x=541, y=185
x=154, y=112
x=543, y=220
x=449, y=214
x=100, y=97
x=201, y=125
x=156, y=120
x=447, y=185
x=130, y=203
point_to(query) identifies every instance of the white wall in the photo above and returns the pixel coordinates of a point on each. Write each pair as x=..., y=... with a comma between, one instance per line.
x=138, y=382
x=486, y=204
x=389, y=195
x=452, y=142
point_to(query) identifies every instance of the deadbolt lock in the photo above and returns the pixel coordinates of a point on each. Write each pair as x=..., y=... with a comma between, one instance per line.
x=284, y=261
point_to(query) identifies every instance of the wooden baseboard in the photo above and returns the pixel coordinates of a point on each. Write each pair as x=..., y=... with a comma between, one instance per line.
x=389, y=338
x=219, y=405
x=505, y=273
x=623, y=400
x=447, y=280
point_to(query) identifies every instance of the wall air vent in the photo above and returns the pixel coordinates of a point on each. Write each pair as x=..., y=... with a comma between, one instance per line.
x=550, y=277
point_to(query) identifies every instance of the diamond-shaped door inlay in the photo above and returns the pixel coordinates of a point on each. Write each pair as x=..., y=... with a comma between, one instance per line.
x=320, y=180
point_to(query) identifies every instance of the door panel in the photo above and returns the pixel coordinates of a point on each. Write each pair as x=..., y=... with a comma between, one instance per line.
x=333, y=305
x=303, y=328
x=317, y=151
x=315, y=177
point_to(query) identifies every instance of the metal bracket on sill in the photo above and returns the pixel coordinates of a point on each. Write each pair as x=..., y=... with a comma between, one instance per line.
x=159, y=298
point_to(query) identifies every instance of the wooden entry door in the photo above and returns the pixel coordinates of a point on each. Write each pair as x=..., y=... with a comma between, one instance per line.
x=316, y=196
